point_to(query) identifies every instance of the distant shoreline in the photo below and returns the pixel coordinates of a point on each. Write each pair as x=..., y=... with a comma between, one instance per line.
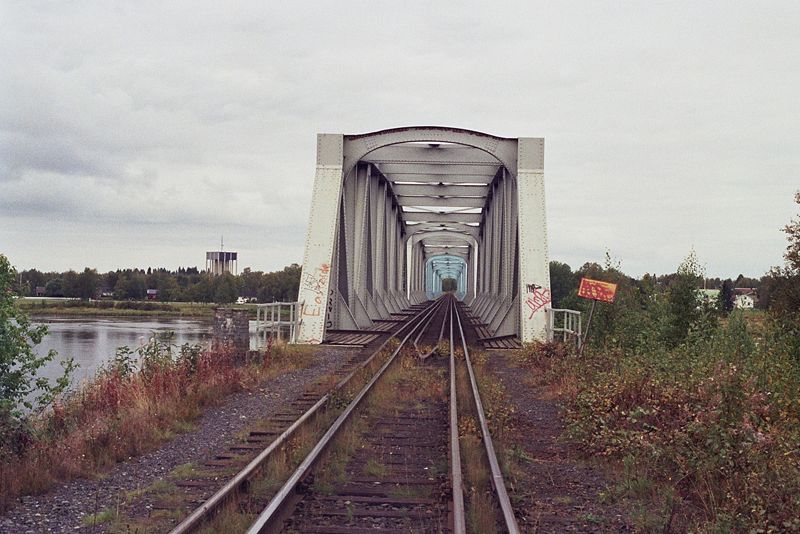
x=108, y=308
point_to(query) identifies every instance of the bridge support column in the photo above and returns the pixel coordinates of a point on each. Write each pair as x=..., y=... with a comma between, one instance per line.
x=315, y=287
x=534, y=267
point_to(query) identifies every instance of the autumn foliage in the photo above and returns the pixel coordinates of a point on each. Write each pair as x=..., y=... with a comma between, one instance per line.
x=714, y=422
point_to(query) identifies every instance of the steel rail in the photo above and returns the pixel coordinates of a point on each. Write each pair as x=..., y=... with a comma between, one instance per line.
x=202, y=512
x=430, y=352
x=497, y=475
x=280, y=498
x=419, y=335
x=459, y=517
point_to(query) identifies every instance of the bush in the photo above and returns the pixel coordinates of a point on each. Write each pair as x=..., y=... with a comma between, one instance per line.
x=716, y=418
x=709, y=409
x=21, y=390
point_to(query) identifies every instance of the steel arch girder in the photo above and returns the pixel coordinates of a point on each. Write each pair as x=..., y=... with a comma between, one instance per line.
x=358, y=146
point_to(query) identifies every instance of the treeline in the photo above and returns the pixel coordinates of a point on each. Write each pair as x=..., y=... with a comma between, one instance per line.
x=564, y=284
x=661, y=311
x=182, y=285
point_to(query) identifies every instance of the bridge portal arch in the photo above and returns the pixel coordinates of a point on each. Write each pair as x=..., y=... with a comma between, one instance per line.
x=443, y=266
x=385, y=202
x=423, y=244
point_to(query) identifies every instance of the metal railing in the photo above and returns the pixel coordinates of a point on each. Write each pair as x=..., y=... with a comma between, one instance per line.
x=276, y=320
x=564, y=324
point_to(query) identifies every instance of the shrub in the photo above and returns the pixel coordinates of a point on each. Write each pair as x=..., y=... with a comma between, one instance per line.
x=717, y=418
x=19, y=366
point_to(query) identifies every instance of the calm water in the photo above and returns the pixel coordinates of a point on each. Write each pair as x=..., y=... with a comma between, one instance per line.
x=92, y=341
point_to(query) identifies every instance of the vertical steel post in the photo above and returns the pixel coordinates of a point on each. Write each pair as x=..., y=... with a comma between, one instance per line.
x=315, y=279
x=534, y=268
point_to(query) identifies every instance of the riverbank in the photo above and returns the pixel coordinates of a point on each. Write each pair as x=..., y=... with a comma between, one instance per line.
x=123, y=308
x=130, y=407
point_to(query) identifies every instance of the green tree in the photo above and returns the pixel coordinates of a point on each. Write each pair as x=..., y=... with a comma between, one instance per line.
x=783, y=286
x=33, y=279
x=250, y=281
x=610, y=324
x=792, y=231
x=130, y=285
x=19, y=364
x=683, y=302
x=87, y=284
x=726, y=297
x=109, y=280
x=55, y=288
x=70, y=284
x=780, y=290
x=225, y=289
x=168, y=289
x=563, y=282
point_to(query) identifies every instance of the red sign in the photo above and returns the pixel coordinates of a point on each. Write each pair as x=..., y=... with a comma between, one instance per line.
x=597, y=290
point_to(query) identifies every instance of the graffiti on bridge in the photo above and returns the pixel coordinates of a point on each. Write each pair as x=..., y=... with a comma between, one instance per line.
x=537, y=298
x=315, y=283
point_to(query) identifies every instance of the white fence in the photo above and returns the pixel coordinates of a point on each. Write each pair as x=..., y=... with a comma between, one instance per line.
x=276, y=320
x=564, y=325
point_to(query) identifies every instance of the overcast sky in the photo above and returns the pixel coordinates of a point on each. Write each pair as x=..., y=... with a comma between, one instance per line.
x=136, y=133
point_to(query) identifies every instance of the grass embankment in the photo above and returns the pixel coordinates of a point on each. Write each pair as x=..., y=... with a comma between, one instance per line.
x=713, y=423
x=124, y=308
x=127, y=409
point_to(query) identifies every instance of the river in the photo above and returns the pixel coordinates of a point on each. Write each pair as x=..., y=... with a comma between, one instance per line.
x=93, y=341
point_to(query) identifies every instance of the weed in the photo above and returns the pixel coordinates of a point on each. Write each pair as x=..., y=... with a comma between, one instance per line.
x=714, y=420
x=374, y=468
x=183, y=471
x=104, y=516
x=591, y=518
x=482, y=512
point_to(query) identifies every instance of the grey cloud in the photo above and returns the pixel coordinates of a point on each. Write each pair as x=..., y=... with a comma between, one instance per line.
x=667, y=126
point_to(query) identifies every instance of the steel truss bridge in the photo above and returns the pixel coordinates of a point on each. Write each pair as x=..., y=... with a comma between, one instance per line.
x=395, y=213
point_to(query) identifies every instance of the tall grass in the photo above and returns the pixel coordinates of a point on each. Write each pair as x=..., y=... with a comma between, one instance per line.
x=715, y=420
x=130, y=406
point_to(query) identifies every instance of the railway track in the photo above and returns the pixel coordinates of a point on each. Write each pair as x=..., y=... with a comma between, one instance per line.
x=390, y=461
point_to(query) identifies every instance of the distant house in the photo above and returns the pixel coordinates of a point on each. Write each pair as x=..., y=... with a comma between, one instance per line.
x=152, y=294
x=746, y=298
x=40, y=291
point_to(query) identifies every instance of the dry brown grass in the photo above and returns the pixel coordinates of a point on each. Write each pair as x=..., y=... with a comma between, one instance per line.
x=120, y=414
